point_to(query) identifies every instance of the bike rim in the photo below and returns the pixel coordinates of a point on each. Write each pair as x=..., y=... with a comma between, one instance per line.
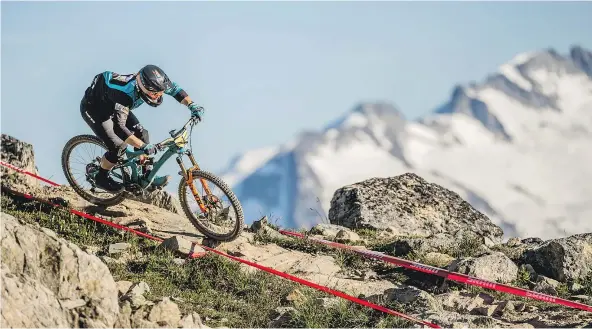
x=84, y=158
x=222, y=217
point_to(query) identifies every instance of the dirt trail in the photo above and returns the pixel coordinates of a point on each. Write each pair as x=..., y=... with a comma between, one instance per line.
x=321, y=269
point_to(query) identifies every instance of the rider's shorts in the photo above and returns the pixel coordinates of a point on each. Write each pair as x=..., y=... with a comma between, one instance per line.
x=106, y=128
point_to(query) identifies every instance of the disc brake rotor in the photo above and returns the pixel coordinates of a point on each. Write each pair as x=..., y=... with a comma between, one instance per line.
x=216, y=211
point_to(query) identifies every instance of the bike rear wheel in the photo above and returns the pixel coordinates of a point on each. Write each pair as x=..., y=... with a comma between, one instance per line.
x=217, y=213
x=91, y=166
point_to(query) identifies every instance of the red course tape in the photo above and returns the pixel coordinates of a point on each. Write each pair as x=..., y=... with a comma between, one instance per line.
x=28, y=173
x=449, y=275
x=261, y=267
x=323, y=288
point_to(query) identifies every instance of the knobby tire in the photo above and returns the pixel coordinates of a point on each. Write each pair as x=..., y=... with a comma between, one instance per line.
x=233, y=200
x=66, y=152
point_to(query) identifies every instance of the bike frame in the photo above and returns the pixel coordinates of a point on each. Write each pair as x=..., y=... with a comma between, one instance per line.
x=173, y=145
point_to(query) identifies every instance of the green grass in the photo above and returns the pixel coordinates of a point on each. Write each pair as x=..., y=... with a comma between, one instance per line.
x=586, y=282
x=523, y=278
x=366, y=233
x=213, y=286
x=467, y=247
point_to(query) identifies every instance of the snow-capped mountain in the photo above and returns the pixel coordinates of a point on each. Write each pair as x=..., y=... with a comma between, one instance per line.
x=517, y=146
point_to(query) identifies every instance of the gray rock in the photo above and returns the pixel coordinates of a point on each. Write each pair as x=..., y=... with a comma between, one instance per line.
x=575, y=287
x=161, y=199
x=420, y=299
x=546, y=285
x=328, y=230
x=409, y=204
x=457, y=244
x=124, y=316
x=123, y=287
x=347, y=236
x=135, y=294
x=492, y=267
x=49, y=282
x=463, y=302
x=192, y=320
x=165, y=313
x=487, y=310
x=439, y=242
x=506, y=307
x=282, y=316
x=258, y=224
x=262, y=228
x=326, y=302
x=21, y=155
x=449, y=319
x=532, y=242
x=438, y=259
x=563, y=259
x=181, y=245
x=118, y=248
x=72, y=303
x=513, y=242
x=138, y=319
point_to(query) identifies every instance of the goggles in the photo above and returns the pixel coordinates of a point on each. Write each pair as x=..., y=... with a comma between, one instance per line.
x=151, y=94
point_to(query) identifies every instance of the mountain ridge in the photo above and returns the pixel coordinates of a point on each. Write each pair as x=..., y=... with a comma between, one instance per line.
x=533, y=109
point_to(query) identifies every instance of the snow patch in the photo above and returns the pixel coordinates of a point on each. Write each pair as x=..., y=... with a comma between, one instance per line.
x=522, y=58
x=359, y=161
x=355, y=119
x=514, y=75
x=247, y=163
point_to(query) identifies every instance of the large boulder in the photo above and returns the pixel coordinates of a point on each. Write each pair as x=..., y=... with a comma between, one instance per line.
x=562, y=259
x=20, y=155
x=49, y=282
x=411, y=205
x=161, y=199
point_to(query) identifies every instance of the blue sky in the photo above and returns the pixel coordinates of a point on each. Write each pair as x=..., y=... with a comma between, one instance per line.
x=263, y=70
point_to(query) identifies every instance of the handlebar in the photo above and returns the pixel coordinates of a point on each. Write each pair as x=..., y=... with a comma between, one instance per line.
x=192, y=121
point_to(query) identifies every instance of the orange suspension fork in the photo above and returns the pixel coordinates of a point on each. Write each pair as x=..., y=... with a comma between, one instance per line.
x=196, y=166
x=188, y=174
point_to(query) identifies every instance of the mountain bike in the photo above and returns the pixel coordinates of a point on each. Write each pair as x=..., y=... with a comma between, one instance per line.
x=128, y=171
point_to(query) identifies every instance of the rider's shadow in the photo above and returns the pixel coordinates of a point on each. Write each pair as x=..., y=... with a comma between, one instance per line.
x=103, y=211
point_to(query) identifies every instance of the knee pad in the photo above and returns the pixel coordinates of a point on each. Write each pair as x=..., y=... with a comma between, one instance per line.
x=112, y=157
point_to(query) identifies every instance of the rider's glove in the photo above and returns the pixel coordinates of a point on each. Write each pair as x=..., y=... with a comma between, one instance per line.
x=196, y=111
x=149, y=149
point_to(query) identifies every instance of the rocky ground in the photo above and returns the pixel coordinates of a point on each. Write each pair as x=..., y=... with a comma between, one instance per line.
x=74, y=272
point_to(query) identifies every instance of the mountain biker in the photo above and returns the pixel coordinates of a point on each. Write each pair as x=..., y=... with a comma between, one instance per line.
x=106, y=107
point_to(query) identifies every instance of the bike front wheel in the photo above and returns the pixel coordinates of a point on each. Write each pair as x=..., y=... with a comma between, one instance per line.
x=217, y=214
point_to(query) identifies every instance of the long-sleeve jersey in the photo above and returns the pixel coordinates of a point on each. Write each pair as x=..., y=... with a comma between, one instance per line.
x=116, y=94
